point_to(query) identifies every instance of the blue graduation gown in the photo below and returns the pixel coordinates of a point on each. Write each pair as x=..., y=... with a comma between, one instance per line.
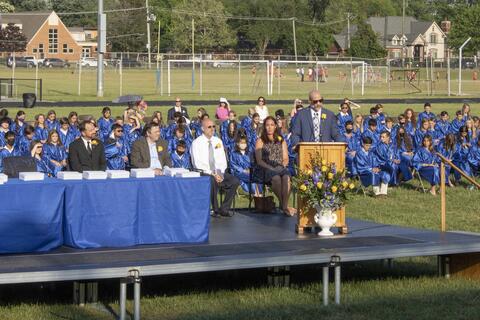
x=104, y=128
x=418, y=139
x=474, y=159
x=410, y=129
x=375, y=136
x=56, y=153
x=456, y=124
x=247, y=122
x=52, y=125
x=40, y=134
x=24, y=146
x=364, y=163
x=443, y=127
x=353, y=144
x=405, y=160
x=115, y=150
x=181, y=161
x=196, y=127
x=3, y=142
x=75, y=131
x=386, y=155
x=4, y=153
x=42, y=166
x=172, y=144
x=460, y=159
x=447, y=154
x=423, y=157
x=424, y=115
x=238, y=163
x=130, y=137
x=18, y=130
x=341, y=120
x=67, y=139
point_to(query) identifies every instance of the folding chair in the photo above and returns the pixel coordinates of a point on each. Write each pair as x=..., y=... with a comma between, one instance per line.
x=419, y=186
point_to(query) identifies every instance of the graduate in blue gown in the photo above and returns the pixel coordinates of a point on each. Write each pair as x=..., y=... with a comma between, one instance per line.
x=462, y=150
x=55, y=154
x=410, y=121
x=404, y=149
x=343, y=116
x=41, y=131
x=240, y=161
x=18, y=125
x=73, y=123
x=51, y=122
x=10, y=149
x=432, y=132
x=229, y=135
x=179, y=135
x=131, y=131
x=105, y=124
x=232, y=117
x=443, y=126
x=421, y=132
x=66, y=134
x=25, y=140
x=426, y=114
x=116, y=149
x=373, y=115
x=372, y=132
x=388, y=159
x=474, y=158
x=36, y=151
x=458, y=122
x=426, y=162
x=196, y=124
x=368, y=169
x=353, y=144
x=181, y=157
x=253, y=131
x=247, y=121
x=4, y=128
x=447, y=148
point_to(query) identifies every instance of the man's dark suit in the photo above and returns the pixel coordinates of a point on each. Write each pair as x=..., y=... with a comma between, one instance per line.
x=140, y=155
x=303, y=131
x=79, y=159
x=172, y=111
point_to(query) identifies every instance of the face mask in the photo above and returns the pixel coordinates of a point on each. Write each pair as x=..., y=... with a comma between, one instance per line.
x=242, y=146
x=11, y=142
x=180, y=153
x=349, y=130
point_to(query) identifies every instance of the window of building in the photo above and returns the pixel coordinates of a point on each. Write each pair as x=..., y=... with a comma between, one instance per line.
x=433, y=38
x=40, y=47
x=34, y=50
x=52, y=41
x=70, y=50
x=85, y=52
x=65, y=48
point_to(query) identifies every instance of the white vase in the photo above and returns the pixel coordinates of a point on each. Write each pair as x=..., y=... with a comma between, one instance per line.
x=325, y=218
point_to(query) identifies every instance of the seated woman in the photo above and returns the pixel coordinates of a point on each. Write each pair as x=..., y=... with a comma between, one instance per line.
x=271, y=155
x=222, y=110
x=196, y=123
x=41, y=131
x=368, y=169
x=36, y=151
x=353, y=144
x=241, y=164
x=404, y=149
x=474, y=158
x=253, y=131
x=25, y=140
x=447, y=149
x=105, y=124
x=55, y=154
x=229, y=136
x=181, y=156
x=462, y=149
x=426, y=163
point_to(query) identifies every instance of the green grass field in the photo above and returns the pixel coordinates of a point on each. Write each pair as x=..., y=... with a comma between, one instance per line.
x=63, y=84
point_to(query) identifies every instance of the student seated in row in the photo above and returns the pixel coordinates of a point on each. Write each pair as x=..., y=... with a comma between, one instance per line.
x=241, y=164
x=26, y=140
x=105, y=124
x=368, y=169
x=116, y=149
x=388, y=159
x=9, y=150
x=447, y=148
x=36, y=151
x=181, y=156
x=426, y=162
x=404, y=150
x=66, y=133
x=55, y=154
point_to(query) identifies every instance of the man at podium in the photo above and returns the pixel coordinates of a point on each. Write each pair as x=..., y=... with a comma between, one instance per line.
x=315, y=124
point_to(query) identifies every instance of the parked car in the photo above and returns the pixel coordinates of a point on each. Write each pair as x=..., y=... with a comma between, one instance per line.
x=20, y=62
x=57, y=63
x=91, y=62
x=128, y=63
x=34, y=60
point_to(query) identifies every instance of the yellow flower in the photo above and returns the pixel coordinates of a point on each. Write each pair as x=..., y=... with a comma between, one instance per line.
x=351, y=186
x=94, y=142
x=159, y=148
x=324, y=168
x=218, y=146
x=303, y=187
x=330, y=176
x=324, y=116
x=324, y=162
x=334, y=189
x=319, y=185
x=345, y=184
x=309, y=172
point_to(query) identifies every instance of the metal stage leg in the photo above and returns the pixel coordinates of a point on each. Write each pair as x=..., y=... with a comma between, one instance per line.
x=85, y=292
x=123, y=299
x=136, y=298
x=325, y=285
x=337, y=283
x=443, y=263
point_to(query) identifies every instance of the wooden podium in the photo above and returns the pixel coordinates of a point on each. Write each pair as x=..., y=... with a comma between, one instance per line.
x=332, y=152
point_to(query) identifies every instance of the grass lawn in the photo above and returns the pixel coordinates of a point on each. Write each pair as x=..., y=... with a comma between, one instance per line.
x=63, y=84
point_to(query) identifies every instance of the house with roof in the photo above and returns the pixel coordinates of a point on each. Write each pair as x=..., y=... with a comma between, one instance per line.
x=419, y=39
x=47, y=36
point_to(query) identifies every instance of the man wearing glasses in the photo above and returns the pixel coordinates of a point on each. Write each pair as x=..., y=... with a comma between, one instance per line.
x=178, y=108
x=208, y=156
x=315, y=123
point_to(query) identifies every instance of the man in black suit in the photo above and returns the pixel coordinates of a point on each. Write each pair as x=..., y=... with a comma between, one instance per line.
x=178, y=108
x=151, y=151
x=87, y=153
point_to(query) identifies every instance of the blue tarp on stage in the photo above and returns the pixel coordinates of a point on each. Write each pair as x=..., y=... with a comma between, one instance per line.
x=127, y=212
x=31, y=215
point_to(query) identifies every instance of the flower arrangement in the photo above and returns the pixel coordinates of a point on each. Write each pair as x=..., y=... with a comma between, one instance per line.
x=322, y=185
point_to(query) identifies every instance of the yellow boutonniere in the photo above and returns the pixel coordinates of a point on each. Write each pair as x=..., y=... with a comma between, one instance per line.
x=280, y=138
x=159, y=148
x=324, y=116
x=218, y=146
x=94, y=142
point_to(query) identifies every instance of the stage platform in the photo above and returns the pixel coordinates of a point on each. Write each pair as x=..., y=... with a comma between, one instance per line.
x=247, y=240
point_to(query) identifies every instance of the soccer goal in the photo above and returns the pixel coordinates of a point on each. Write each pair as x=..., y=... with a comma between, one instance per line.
x=222, y=77
x=331, y=77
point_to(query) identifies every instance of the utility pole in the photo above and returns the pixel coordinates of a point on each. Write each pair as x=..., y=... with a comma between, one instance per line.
x=348, y=30
x=294, y=40
x=403, y=34
x=148, y=36
x=101, y=45
x=193, y=53
x=158, y=44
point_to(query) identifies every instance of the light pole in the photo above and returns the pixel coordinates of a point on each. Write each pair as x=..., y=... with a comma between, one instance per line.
x=460, y=51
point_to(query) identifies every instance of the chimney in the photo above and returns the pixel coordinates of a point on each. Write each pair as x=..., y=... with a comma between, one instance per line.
x=446, y=26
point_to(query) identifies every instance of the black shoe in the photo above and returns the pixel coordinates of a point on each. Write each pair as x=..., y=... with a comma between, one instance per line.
x=214, y=214
x=228, y=213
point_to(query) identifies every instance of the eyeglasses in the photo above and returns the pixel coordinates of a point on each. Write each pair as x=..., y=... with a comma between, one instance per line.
x=179, y=101
x=261, y=100
x=317, y=101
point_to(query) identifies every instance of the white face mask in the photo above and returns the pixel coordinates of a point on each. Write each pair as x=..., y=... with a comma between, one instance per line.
x=242, y=146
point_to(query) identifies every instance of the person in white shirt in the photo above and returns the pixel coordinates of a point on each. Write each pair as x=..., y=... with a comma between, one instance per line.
x=208, y=156
x=261, y=108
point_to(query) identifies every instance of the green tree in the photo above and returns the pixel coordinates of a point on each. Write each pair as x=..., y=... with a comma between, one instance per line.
x=30, y=5
x=211, y=29
x=6, y=7
x=465, y=24
x=80, y=20
x=126, y=30
x=12, y=39
x=365, y=44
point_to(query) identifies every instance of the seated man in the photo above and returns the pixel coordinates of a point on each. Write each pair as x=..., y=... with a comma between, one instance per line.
x=87, y=152
x=150, y=151
x=208, y=155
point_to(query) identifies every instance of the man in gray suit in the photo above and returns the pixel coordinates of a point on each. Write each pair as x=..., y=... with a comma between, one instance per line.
x=150, y=151
x=315, y=123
